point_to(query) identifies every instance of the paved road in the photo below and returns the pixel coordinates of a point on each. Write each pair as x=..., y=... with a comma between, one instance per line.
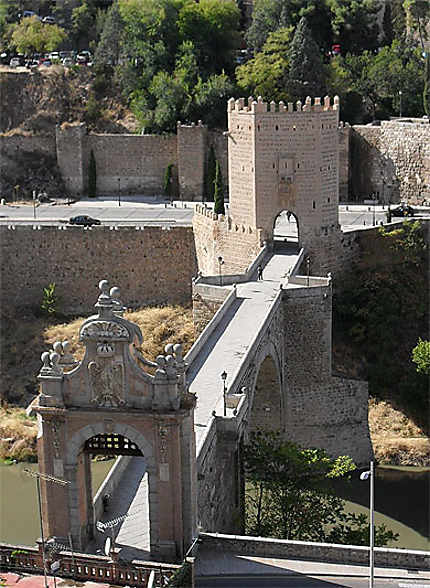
x=147, y=210
x=302, y=581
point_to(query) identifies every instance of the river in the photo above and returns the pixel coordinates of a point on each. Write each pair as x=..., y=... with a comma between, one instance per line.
x=402, y=502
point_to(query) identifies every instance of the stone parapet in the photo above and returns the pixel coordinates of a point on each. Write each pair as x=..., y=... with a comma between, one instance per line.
x=250, y=105
x=324, y=552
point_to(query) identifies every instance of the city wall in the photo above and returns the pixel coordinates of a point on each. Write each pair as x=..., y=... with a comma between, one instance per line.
x=392, y=160
x=153, y=265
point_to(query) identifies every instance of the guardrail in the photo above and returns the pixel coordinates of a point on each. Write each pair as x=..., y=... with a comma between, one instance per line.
x=83, y=567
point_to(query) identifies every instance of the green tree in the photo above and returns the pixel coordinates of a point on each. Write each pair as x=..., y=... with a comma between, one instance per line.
x=270, y=15
x=306, y=72
x=210, y=99
x=387, y=24
x=219, y=207
x=92, y=176
x=212, y=27
x=426, y=90
x=354, y=24
x=398, y=17
x=31, y=36
x=168, y=181
x=109, y=47
x=417, y=18
x=210, y=175
x=290, y=494
x=265, y=74
x=421, y=356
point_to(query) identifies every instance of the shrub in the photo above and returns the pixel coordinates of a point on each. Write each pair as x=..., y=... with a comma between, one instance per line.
x=92, y=176
x=50, y=300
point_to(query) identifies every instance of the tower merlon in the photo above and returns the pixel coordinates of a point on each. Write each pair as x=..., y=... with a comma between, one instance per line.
x=243, y=106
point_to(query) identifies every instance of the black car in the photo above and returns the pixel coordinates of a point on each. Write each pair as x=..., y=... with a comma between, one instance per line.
x=86, y=221
x=402, y=210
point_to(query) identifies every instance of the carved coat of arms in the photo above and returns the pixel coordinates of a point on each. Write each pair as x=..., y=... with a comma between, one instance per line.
x=107, y=382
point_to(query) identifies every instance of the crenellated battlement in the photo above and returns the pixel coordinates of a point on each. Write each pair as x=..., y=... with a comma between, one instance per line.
x=226, y=220
x=251, y=106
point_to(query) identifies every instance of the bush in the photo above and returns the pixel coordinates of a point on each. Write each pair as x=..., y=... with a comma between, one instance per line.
x=92, y=176
x=50, y=300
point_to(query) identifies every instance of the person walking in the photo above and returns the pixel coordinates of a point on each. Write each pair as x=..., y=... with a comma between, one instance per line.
x=259, y=273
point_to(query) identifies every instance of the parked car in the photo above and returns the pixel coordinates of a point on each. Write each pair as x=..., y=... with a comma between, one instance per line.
x=48, y=20
x=45, y=62
x=54, y=56
x=402, y=210
x=86, y=221
x=67, y=62
x=15, y=62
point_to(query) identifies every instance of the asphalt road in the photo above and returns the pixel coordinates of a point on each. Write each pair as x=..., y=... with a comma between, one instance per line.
x=303, y=581
x=128, y=214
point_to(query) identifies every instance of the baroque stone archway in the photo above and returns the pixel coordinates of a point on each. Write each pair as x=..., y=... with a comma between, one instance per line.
x=110, y=393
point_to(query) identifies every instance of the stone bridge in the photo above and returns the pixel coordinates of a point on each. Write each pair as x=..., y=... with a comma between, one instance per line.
x=263, y=361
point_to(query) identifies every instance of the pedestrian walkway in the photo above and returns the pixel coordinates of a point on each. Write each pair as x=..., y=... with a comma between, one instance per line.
x=226, y=349
x=228, y=345
x=131, y=498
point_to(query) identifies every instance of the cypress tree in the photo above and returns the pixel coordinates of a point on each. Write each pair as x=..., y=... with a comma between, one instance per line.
x=306, y=70
x=210, y=176
x=92, y=176
x=387, y=24
x=218, y=191
x=426, y=91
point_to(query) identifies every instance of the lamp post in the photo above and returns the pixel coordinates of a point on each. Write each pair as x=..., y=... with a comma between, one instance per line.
x=400, y=103
x=308, y=269
x=46, y=478
x=370, y=475
x=220, y=264
x=119, y=191
x=224, y=390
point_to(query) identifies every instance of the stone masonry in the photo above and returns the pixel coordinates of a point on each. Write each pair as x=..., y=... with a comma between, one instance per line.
x=280, y=158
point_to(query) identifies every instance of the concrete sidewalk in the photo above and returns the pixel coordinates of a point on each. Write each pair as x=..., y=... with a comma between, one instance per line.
x=217, y=563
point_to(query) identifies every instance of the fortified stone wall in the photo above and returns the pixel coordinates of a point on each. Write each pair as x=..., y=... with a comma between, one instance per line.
x=218, y=236
x=392, y=160
x=322, y=410
x=13, y=148
x=191, y=148
x=153, y=266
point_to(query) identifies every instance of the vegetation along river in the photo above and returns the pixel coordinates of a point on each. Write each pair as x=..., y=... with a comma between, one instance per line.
x=402, y=502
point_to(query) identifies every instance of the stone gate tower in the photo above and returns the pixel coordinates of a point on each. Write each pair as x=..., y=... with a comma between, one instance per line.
x=109, y=403
x=281, y=157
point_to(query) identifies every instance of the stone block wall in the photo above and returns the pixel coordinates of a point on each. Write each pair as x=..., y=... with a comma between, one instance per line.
x=191, y=147
x=344, y=167
x=151, y=266
x=218, y=479
x=218, y=235
x=393, y=160
x=138, y=161
x=321, y=410
x=15, y=144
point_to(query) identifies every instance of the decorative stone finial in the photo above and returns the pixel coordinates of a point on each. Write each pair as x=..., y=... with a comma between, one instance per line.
x=58, y=348
x=105, y=302
x=169, y=348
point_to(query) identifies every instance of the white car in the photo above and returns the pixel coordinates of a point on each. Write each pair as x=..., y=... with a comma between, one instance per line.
x=54, y=56
x=14, y=62
x=48, y=20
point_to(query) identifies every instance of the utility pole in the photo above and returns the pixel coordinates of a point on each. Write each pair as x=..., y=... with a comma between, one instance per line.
x=53, y=480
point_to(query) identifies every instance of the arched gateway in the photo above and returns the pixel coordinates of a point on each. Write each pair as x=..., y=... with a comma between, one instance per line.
x=108, y=403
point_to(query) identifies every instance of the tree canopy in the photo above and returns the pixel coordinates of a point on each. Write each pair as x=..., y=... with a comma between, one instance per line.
x=31, y=35
x=290, y=494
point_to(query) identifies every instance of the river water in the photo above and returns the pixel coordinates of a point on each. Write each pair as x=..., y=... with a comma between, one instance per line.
x=402, y=502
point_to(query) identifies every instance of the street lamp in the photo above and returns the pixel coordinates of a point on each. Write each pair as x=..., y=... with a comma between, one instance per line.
x=370, y=475
x=119, y=191
x=46, y=478
x=224, y=390
x=308, y=269
x=400, y=103
x=220, y=264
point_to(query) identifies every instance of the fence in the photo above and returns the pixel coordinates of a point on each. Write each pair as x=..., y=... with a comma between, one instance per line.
x=84, y=567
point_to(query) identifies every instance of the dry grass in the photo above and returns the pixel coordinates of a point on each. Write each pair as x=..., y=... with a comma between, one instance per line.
x=31, y=336
x=17, y=434
x=396, y=439
x=159, y=326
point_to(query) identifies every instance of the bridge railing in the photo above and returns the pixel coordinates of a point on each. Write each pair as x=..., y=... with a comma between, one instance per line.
x=85, y=567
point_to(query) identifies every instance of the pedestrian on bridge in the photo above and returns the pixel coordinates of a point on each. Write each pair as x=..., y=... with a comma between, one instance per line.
x=259, y=272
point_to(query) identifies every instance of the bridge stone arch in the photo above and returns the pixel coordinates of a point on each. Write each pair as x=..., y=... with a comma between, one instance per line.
x=266, y=403
x=109, y=396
